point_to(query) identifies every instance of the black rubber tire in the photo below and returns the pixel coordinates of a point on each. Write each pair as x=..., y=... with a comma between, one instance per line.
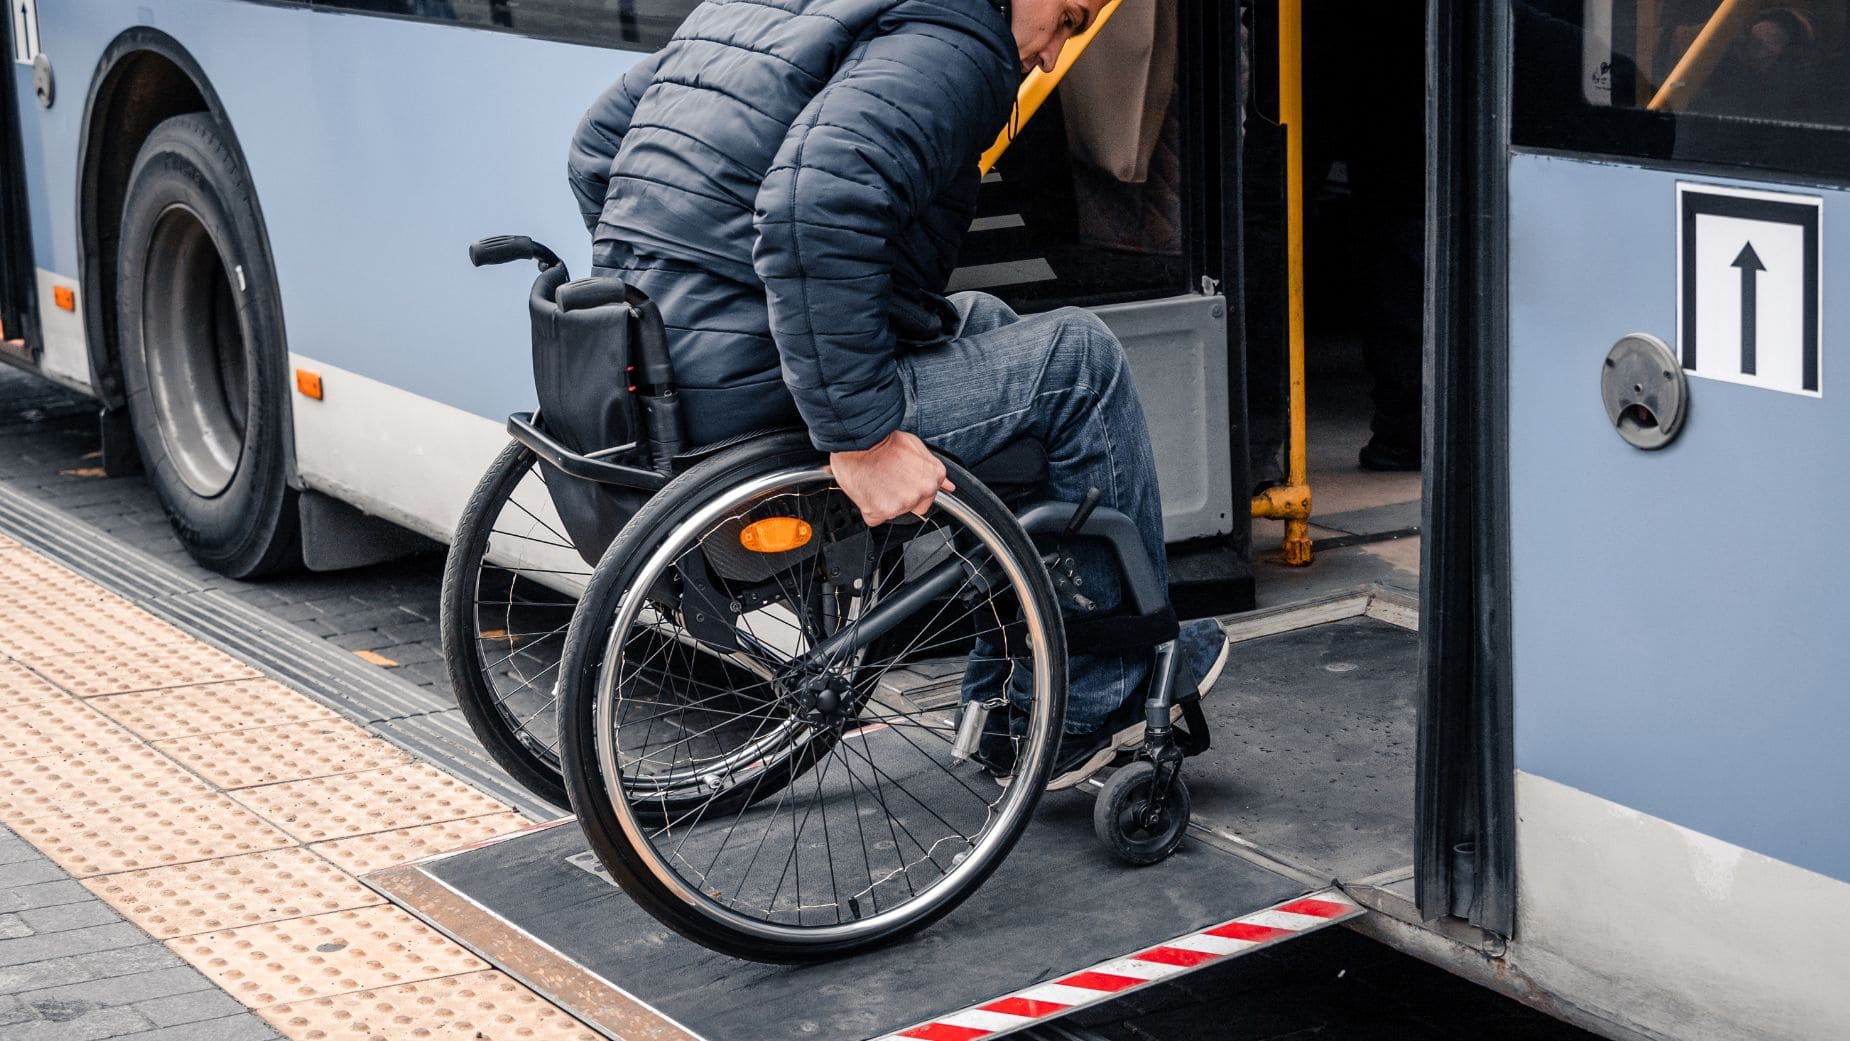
x=470, y=678
x=531, y=759
x=194, y=279
x=1115, y=815
x=597, y=610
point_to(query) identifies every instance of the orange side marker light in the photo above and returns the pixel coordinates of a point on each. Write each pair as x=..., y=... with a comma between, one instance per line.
x=308, y=384
x=65, y=297
x=775, y=535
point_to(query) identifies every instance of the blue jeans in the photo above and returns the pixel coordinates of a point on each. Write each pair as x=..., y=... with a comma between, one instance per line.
x=1059, y=378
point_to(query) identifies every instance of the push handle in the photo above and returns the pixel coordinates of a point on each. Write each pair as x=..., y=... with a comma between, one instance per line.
x=503, y=249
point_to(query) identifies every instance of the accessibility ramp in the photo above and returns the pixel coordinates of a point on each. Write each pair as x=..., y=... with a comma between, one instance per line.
x=1062, y=925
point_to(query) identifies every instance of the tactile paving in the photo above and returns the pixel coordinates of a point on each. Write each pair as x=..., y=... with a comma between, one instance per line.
x=56, y=727
x=382, y=849
x=35, y=585
x=323, y=955
x=110, y=623
x=20, y=684
x=371, y=800
x=94, y=673
x=212, y=708
x=152, y=834
x=487, y=1005
x=231, y=892
x=268, y=755
x=92, y=781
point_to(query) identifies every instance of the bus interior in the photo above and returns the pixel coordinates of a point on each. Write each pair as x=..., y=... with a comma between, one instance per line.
x=1315, y=721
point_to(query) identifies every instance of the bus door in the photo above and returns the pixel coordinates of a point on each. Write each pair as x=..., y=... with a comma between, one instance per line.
x=1677, y=184
x=17, y=335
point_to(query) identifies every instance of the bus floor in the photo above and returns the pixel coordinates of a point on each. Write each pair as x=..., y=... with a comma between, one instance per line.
x=1365, y=525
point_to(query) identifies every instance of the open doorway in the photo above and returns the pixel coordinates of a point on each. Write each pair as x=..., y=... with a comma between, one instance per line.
x=1363, y=183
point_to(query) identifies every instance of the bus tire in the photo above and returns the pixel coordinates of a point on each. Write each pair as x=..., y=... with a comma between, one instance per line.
x=200, y=334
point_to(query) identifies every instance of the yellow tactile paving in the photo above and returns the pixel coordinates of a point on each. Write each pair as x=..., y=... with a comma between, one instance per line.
x=488, y=1005
x=323, y=955
x=368, y=801
x=56, y=726
x=268, y=755
x=34, y=585
x=90, y=674
x=109, y=625
x=20, y=684
x=365, y=853
x=231, y=892
x=188, y=711
x=184, y=791
x=151, y=834
x=91, y=782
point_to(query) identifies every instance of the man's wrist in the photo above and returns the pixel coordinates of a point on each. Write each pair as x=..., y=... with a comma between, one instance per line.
x=860, y=453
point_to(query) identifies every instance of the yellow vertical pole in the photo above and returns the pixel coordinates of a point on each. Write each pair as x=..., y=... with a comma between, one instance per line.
x=1292, y=502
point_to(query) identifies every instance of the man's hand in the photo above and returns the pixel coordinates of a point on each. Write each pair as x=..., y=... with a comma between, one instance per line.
x=898, y=475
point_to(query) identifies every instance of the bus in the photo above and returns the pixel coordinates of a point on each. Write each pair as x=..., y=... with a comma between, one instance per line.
x=239, y=225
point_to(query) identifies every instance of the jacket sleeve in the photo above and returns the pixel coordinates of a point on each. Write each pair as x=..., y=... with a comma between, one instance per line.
x=875, y=147
x=600, y=134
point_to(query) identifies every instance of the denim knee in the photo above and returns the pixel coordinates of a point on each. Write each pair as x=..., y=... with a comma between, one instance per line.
x=1093, y=350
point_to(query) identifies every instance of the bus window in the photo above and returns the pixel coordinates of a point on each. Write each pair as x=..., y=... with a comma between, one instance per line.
x=635, y=24
x=1754, y=84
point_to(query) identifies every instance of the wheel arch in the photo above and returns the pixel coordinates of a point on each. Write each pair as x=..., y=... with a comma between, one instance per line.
x=143, y=77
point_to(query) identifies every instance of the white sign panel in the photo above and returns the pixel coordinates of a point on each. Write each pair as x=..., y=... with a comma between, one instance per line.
x=25, y=31
x=1749, y=286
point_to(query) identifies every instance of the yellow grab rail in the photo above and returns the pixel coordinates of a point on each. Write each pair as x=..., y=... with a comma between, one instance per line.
x=1291, y=503
x=1692, y=70
x=1037, y=85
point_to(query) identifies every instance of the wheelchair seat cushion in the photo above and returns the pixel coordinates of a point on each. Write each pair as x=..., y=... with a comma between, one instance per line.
x=1019, y=468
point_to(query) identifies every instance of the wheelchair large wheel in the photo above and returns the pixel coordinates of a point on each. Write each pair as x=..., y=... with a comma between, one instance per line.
x=747, y=632
x=510, y=585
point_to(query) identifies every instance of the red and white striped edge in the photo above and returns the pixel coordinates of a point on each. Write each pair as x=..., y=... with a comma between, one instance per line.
x=1120, y=976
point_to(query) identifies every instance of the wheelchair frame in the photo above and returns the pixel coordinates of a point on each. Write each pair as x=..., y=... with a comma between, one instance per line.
x=1135, y=797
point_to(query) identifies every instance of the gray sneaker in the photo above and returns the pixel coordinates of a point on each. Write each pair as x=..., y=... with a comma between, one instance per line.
x=1203, y=645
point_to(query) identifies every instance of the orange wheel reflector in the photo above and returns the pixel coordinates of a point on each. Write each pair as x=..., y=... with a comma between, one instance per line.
x=775, y=535
x=308, y=384
x=65, y=297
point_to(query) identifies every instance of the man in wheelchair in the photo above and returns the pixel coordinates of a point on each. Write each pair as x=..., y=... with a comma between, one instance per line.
x=790, y=183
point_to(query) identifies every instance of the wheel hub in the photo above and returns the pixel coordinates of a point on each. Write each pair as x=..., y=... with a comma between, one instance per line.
x=821, y=700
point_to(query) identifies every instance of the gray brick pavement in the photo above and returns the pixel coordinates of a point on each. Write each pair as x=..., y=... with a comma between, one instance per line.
x=72, y=970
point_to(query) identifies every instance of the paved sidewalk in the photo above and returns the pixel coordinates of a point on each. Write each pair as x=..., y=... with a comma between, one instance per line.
x=71, y=969
x=183, y=840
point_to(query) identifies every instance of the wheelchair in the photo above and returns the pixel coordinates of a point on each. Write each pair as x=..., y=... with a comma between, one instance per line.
x=787, y=735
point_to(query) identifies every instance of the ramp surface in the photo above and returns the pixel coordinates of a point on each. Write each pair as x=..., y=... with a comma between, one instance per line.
x=1060, y=925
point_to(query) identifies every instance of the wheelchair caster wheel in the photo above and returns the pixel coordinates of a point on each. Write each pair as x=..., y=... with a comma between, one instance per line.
x=1136, y=832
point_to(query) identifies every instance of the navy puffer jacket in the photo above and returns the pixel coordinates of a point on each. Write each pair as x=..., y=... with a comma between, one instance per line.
x=789, y=180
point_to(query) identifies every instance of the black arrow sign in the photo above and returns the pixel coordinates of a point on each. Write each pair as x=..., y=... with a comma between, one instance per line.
x=1749, y=263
